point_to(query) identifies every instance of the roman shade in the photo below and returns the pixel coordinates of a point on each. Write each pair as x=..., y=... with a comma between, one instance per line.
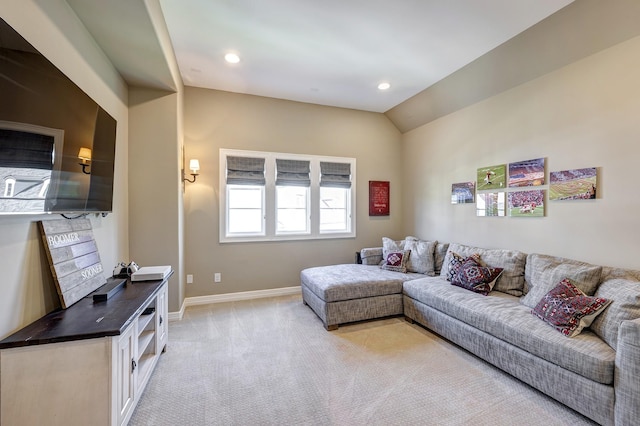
x=293, y=173
x=245, y=171
x=26, y=150
x=335, y=175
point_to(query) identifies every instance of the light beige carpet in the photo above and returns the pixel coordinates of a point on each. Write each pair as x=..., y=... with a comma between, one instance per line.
x=271, y=362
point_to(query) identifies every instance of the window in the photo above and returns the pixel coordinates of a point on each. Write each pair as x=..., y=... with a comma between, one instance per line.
x=335, y=185
x=245, y=195
x=269, y=196
x=9, y=187
x=293, y=181
x=246, y=210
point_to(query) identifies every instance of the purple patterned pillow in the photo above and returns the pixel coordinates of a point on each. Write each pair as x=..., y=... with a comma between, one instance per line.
x=396, y=261
x=567, y=309
x=475, y=277
x=456, y=262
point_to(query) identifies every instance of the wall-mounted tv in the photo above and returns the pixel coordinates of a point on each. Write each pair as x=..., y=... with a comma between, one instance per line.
x=57, y=145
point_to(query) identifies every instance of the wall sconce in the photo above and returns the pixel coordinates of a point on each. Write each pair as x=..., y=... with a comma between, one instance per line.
x=194, y=165
x=85, y=156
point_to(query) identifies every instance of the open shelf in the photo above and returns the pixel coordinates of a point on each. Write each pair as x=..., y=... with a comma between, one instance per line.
x=144, y=339
x=144, y=320
x=144, y=366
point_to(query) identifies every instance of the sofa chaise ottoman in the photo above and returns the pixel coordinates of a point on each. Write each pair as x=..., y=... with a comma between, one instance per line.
x=345, y=293
x=340, y=294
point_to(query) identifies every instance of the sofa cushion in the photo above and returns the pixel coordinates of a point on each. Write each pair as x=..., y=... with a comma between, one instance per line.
x=503, y=317
x=622, y=286
x=396, y=261
x=353, y=281
x=440, y=253
x=512, y=261
x=569, y=310
x=543, y=272
x=422, y=259
x=475, y=277
x=371, y=255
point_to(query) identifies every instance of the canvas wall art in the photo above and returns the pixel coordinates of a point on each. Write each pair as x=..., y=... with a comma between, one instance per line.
x=526, y=173
x=577, y=184
x=490, y=204
x=379, y=194
x=493, y=177
x=462, y=193
x=526, y=203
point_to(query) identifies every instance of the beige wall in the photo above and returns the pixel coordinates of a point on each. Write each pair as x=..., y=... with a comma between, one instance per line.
x=215, y=120
x=155, y=189
x=583, y=115
x=26, y=287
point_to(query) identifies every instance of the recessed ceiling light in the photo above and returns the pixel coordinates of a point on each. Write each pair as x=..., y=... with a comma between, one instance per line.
x=384, y=86
x=232, y=58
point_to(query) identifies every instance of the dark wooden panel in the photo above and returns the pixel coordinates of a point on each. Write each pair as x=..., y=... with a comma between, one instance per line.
x=73, y=258
x=88, y=319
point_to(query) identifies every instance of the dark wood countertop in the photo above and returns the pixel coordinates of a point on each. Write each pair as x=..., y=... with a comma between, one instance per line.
x=86, y=319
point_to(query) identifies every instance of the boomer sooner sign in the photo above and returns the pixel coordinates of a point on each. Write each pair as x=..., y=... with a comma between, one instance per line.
x=73, y=257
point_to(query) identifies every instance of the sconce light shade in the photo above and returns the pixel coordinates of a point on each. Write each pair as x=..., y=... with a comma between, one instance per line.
x=194, y=165
x=84, y=154
x=85, y=159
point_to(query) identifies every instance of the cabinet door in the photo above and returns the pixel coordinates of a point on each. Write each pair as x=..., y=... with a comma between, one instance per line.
x=162, y=324
x=126, y=372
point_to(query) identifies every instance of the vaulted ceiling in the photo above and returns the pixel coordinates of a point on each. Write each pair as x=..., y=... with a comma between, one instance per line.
x=337, y=52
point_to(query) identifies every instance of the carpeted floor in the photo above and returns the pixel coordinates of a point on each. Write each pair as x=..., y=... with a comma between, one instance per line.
x=271, y=362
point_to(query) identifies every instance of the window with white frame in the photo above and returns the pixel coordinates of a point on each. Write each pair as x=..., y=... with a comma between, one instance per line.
x=9, y=187
x=279, y=196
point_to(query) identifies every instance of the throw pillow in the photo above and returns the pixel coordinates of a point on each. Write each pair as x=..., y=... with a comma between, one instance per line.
x=439, y=255
x=456, y=261
x=396, y=261
x=543, y=272
x=475, y=277
x=567, y=309
x=623, y=288
x=389, y=245
x=422, y=256
x=511, y=261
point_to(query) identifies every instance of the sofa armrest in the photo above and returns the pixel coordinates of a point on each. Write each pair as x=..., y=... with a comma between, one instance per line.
x=371, y=256
x=627, y=385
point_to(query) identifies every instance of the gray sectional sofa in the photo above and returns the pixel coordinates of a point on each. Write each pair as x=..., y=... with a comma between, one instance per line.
x=596, y=373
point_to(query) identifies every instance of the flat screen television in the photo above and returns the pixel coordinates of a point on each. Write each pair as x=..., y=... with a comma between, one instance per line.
x=57, y=145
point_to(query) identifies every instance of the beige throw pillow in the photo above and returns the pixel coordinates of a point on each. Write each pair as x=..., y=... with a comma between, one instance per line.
x=543, y=273
x=422, y=259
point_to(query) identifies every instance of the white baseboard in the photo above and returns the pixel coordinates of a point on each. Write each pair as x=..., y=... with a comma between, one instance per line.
x=177, y=316
x=232, y=297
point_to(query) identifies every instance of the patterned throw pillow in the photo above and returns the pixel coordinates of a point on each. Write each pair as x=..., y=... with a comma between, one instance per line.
x=456, y=262
x=567, y=309
x=389, y=245
x=475, y=277
x=396, y=261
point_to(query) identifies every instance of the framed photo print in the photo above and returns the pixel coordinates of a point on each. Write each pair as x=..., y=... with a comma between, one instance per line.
x=378, y=198
x=577, y=184
x=526, y=173
x=490, y=204
x=492, y=177
x=526, y=203
x=463, y=193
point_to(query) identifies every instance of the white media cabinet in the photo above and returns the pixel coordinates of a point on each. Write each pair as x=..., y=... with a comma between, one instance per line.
x=87, y=364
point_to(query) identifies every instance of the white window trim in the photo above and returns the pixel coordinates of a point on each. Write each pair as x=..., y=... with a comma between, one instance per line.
x=270, y=200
